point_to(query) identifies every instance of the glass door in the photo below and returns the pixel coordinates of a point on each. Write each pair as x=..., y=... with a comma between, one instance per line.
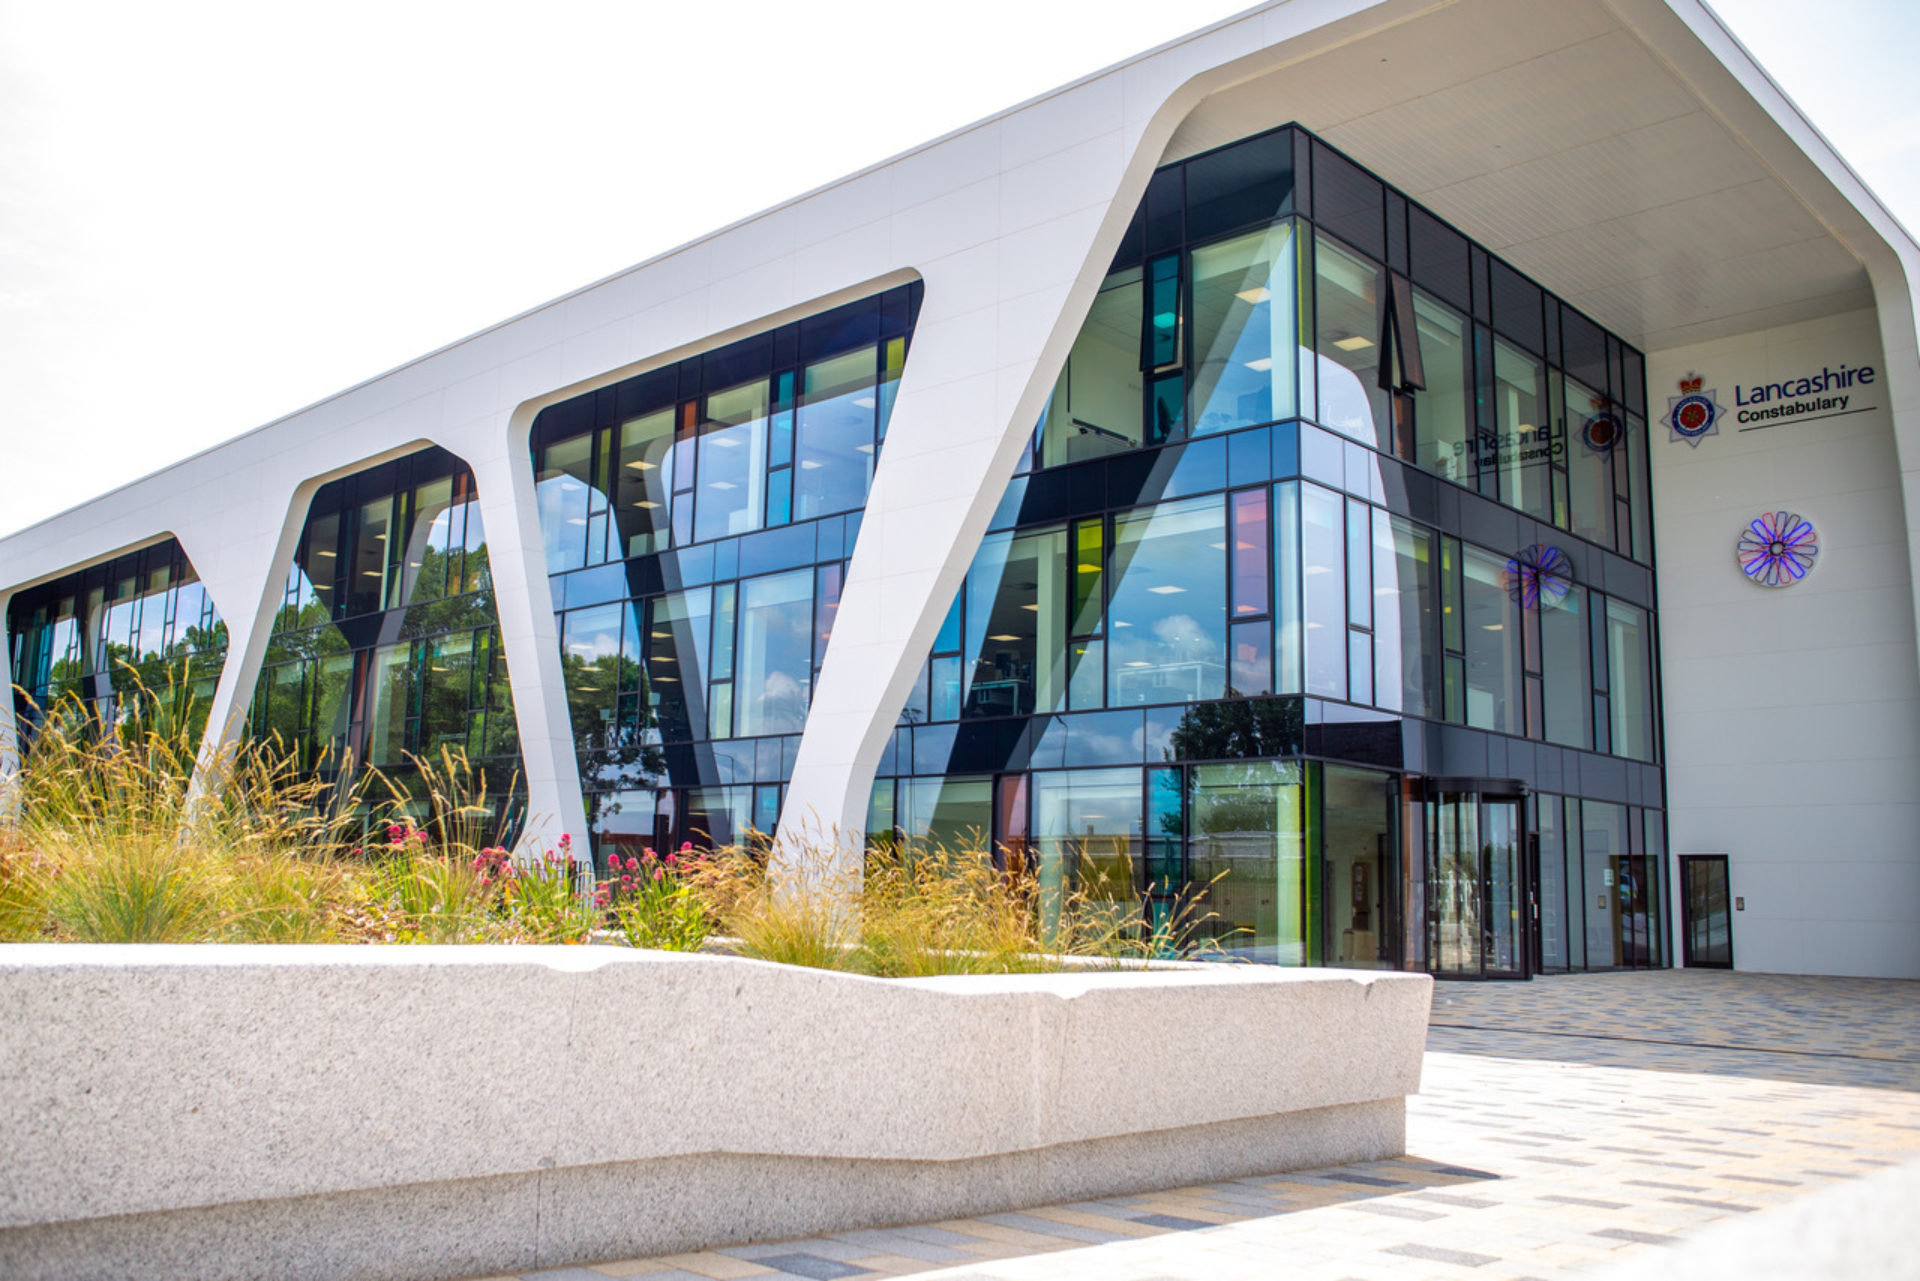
x=1502, y=843
x=1478, y=915
x=1706, y=923
x=1453, y=885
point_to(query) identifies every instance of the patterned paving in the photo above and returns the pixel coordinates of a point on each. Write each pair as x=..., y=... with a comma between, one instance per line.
x=1562, y=1124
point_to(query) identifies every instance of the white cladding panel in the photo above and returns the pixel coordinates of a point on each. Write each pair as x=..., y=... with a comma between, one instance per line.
x=1793, y=714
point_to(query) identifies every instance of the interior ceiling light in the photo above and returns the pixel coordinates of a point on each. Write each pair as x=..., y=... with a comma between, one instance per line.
x=721, y=484
x=1006, y=638
x=647, y=503
x=1261, y=365
x=1254, y=296
x=641, y=464
x=1356, y=343
x=1034, y=608
x=1166, y=589
x=725, y=442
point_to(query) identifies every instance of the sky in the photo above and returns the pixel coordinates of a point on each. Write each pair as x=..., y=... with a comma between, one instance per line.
x=214, y=214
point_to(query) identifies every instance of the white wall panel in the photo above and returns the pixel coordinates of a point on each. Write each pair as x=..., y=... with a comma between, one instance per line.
x=1793, y=714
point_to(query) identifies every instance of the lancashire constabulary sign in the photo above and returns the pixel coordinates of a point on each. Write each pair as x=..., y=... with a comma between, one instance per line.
x=1694, y=414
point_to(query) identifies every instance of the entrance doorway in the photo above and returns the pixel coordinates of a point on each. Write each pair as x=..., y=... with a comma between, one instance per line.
x=1478, y=917
x=1706, y=923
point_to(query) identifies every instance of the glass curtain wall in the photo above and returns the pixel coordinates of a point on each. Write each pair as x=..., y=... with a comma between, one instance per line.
x=386, y=648
x=697, y=520
x=136, y=637
x=1340, y=302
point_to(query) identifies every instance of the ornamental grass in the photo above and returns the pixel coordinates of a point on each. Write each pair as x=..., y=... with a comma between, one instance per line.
x=107, y=837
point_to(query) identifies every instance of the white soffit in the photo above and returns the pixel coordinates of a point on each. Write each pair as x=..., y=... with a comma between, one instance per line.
x=1554, y=135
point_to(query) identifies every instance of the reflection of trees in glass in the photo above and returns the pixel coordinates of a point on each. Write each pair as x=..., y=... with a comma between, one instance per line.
x=1237, y=730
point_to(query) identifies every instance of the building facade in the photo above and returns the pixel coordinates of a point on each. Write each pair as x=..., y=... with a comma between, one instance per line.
x=1422, y=484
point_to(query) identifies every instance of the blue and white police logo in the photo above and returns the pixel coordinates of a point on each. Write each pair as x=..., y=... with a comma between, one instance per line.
x=1603, y=430
x=1693, y=414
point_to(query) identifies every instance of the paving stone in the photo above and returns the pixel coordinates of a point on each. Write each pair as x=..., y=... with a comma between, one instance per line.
x=1464, y=1258
x=813, y=1267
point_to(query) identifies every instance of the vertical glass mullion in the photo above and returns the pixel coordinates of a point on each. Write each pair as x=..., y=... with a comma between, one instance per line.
x=1308, y=366
x=1359, y=565
x=1563, y=445
x=685, y=452
x=826, y=604
x=1453, y=676
x=1288, y=623
x=1323, y=589
x=1086, y=661
x=1250, y=561
x=720, y=683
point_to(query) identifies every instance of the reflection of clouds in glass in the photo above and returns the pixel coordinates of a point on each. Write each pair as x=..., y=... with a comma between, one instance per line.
x=1183, y=636
x=1096, y=746
x=782, y=700
x=1344, y=405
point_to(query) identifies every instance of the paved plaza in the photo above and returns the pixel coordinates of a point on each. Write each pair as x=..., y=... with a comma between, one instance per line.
x=1562, y=1125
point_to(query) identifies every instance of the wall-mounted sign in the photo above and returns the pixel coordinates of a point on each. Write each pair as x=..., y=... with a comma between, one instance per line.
x=1693, y=415
x=1777, y=549
x=1831, y=393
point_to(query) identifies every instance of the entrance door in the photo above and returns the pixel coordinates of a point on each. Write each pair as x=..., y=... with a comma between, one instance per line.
x=1479, y=921
x=1502, y=854
x=1705, y=923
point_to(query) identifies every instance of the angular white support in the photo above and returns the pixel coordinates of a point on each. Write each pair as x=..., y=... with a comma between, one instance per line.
x=246, y=583
x=517, y=556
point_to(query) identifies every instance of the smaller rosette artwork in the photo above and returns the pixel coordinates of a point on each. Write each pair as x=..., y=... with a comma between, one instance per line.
x=1538, y=577
x=1777, y=549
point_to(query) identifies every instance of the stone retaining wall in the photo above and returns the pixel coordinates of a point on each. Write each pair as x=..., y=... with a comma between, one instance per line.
x=323, y=1112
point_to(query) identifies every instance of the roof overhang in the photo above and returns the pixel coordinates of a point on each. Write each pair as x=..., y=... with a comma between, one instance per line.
x=1600, y=146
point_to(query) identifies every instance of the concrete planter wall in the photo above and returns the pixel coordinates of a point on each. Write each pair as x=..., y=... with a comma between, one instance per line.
x=441, y=1112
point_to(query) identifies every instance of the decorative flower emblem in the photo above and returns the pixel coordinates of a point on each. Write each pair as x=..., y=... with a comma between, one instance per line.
x=1538, y=576
x=1777, y=549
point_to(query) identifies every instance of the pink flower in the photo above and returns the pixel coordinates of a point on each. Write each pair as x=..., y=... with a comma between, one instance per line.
x=658, y=874
x=566, y=840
